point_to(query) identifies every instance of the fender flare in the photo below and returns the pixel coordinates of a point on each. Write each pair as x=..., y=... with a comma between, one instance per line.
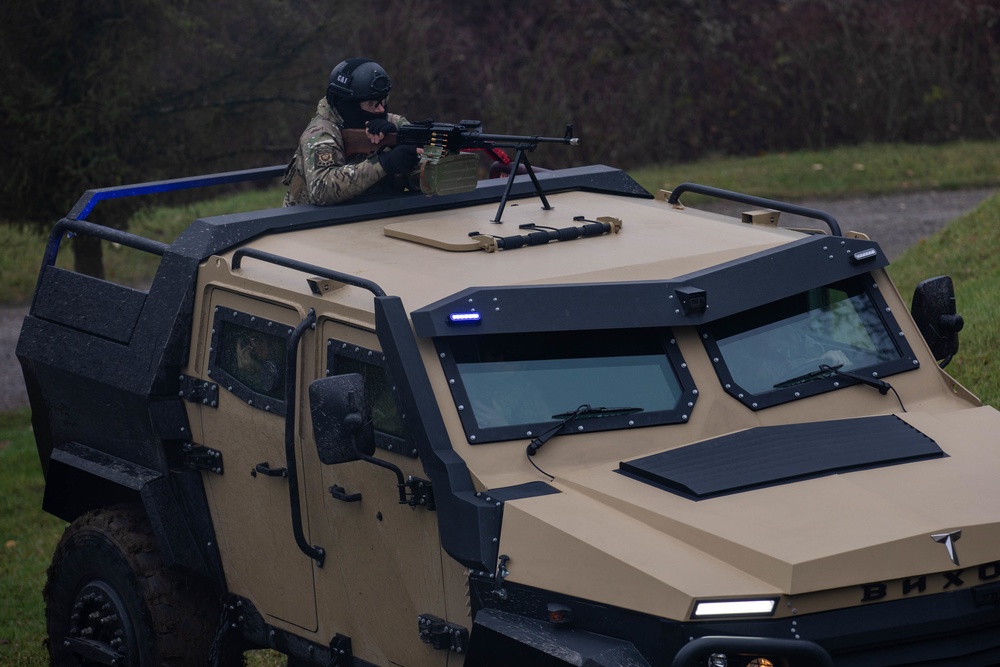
x=80, y=478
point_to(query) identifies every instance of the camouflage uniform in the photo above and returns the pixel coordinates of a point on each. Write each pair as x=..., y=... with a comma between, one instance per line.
x=320, y=173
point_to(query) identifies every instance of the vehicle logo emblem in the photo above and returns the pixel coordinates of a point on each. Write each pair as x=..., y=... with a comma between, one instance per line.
x=948, y=540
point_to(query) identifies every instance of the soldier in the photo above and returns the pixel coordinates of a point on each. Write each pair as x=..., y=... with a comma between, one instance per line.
x=321, y=173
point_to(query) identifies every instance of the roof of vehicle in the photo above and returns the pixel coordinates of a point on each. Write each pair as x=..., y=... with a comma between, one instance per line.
x=425, y=248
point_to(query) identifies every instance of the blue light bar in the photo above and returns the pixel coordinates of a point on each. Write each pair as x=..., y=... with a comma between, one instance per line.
x=470, y=317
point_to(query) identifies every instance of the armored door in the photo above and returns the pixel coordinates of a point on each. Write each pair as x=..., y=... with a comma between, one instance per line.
x=243, y=360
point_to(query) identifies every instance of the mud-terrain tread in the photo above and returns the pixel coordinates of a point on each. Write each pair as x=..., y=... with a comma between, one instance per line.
x=180, y=614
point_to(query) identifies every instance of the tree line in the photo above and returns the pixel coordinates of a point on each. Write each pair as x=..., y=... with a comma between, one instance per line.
x=109, y=92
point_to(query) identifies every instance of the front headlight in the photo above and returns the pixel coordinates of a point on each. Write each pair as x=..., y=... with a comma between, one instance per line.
x=738, y=608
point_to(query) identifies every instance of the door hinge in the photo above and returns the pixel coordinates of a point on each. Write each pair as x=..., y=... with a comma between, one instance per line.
x=416, y=492
x=201, y=458
x=199, y=391
x=441, y=634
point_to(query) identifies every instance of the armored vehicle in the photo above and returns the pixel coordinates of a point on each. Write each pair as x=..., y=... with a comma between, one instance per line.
x=598, y=427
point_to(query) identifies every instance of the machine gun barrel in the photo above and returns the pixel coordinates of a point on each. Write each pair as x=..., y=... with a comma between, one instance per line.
x=515, y=140
x=451, y=137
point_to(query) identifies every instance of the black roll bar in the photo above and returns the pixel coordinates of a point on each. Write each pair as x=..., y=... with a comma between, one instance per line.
x=784, y=207
x=296, y=265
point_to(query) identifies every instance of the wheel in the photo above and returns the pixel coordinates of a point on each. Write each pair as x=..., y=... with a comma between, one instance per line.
x=110, y=599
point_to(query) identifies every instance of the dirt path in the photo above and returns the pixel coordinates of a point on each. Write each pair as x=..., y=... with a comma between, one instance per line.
x=895, y=221
x=12, y=394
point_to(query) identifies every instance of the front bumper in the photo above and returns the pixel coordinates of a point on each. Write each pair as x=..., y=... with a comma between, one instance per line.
x=954, y=629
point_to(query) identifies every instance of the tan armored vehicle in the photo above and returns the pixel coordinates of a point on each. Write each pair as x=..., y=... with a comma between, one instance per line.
x=608, y=429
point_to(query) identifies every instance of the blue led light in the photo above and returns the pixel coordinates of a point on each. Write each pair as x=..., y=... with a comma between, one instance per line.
x=470, y=317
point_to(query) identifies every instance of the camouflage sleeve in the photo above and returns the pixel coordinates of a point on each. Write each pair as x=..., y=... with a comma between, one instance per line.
x=329, y=179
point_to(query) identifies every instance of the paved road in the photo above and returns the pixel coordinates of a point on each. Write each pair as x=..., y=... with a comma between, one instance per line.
x=895, y=221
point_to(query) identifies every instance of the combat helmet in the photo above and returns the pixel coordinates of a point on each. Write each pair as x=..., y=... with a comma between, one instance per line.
x=357, y=80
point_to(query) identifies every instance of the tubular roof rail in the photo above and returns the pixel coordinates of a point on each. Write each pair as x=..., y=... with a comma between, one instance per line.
x=675, y=197
x=92, y=198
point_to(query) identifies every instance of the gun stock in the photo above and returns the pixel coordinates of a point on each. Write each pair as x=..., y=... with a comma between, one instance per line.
x=356, y=142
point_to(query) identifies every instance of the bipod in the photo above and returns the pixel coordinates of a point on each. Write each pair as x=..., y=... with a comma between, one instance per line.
x=519, y=157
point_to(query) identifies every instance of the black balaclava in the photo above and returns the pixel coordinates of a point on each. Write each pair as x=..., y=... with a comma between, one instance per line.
x=354, y=116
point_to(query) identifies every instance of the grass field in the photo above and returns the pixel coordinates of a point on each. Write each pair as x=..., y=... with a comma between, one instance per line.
x=28, y=535
x=968, y=246
x=851, y=171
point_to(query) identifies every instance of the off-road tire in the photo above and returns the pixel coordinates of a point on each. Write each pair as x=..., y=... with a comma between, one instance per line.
x=108, y=589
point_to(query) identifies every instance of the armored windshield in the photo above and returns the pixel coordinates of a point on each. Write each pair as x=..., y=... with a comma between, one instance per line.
x=512, y=386
x=791, y=348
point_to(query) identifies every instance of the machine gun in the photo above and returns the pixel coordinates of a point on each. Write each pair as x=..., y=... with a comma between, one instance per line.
x=445, y=167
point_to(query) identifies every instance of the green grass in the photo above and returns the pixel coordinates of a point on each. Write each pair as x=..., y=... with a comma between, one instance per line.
x=964, y=250
x=859, y=170
x=27, y=538
x=20, y=257
x=21, y=248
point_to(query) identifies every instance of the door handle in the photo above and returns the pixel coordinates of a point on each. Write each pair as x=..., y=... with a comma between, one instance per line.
x=266, y=469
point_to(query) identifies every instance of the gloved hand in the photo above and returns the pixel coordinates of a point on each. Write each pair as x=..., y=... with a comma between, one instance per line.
x=380, y=126
x=400, y=160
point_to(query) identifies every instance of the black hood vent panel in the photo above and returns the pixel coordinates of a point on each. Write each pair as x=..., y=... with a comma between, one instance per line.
x=772, y=455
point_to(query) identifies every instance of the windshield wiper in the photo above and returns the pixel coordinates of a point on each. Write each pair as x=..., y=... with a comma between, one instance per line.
x=581, y=412
x=587, y=411
x=823, y=372
x=882, y=386
x=568, y=417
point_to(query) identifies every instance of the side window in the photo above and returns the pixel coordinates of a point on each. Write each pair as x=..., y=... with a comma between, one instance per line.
x=248, y=358
x=344, y=358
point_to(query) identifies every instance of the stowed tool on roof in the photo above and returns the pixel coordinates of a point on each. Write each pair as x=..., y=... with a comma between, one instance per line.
x=451, y=234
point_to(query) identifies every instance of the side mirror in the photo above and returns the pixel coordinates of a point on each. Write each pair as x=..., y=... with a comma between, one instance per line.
x=933, y=308
x=341, y=418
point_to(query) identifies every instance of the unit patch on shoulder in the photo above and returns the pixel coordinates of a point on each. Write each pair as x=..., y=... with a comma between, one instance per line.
x=324, y=156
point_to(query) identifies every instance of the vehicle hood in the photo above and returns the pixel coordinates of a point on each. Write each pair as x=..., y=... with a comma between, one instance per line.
x=647, y=543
